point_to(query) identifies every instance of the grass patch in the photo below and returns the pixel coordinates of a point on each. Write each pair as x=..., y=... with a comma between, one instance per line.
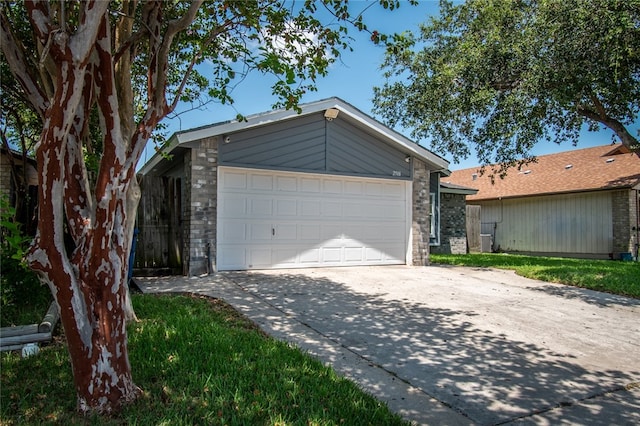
x=198, y=362
x=622, y=278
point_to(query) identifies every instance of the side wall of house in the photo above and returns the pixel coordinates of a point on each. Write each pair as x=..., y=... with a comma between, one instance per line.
x=452, y=221
x=577, y=225
x=201, y=186
x=421, y=213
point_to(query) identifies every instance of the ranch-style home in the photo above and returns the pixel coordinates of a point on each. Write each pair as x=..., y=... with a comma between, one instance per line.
x=581, y=203
x=328, y=186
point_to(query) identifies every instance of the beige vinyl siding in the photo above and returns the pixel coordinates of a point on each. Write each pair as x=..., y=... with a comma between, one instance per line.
x=573, y=223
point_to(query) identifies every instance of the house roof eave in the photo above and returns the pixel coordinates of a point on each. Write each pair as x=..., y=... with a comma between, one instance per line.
x=450, y=188
x=159, y=156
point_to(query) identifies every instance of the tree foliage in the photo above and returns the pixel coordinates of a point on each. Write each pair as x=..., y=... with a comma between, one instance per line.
x=500, y=76
x=100, y=76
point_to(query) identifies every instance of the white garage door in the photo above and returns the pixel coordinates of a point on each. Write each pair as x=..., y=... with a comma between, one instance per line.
x=272, y=219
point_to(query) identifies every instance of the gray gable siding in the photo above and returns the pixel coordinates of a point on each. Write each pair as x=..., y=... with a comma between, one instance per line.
x=352, y=150
x=313, y=144
x=292, y=144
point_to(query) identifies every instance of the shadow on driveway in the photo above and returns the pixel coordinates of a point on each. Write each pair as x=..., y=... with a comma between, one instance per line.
x=487, y=376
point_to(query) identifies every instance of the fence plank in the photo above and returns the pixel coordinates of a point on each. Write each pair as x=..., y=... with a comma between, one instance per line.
x=473, y=228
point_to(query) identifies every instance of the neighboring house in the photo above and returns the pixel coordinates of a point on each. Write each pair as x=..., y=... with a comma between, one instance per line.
x=19, y=183
x=329, y=186
x=582, y=203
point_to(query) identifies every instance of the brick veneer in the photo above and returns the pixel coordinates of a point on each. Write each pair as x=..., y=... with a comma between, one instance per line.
x=453, y=220
x=421, y=212
x=625, y=218
x=201, y=182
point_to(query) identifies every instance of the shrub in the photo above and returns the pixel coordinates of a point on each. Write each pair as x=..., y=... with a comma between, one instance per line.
x=23, y=299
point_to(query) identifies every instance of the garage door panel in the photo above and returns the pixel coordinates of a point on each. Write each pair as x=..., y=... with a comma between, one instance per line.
x=234, y=231
x=329, y=232
x=353, y=210
x=234, y=206
x=310, y=208
x=234, y=180
x=332, y=186
x=233, y=258
x=331, y=209
x=272, y=219
x=261, y=182
x=385, y=233
x=309, y=185
x=259, y=232
x=287, y=207
x=286, y=232
x=259, y=258
x=261, y=207
x=286, y=183
x=310, y=256
x=353, y=188
x=284, y=257
x=354, y=254
x=373, y=255
x=309, y=232
x=355, y=232
x=331, y=255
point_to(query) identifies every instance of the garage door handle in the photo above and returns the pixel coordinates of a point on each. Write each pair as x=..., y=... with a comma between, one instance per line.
x=273, y=231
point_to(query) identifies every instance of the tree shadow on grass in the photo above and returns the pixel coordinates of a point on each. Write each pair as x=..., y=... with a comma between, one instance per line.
x=591, y=297
x=486, y=376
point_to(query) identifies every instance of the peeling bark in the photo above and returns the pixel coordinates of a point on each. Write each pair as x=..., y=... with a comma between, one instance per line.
x=89, y=284
x=76, y=72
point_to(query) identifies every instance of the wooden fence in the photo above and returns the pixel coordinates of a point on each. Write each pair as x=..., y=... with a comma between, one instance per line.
x=159, y=238
x=473, y=228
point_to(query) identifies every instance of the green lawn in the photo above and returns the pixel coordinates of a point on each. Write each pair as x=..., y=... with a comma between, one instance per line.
x=198, y=362
x=609, y=276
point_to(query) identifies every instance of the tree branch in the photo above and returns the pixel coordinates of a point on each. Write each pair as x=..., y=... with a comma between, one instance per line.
x=618, y=128
x=159, y=46
x=158, y=76
x=78, y=201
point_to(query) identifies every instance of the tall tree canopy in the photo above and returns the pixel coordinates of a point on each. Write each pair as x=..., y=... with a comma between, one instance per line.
x=126, y=64
x=502, y=75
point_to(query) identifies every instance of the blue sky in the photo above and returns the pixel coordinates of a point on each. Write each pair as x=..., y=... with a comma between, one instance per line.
x=352, y=79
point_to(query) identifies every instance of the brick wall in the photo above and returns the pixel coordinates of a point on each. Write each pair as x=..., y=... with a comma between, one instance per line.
x=201, y=184
x=421, y=223
x=452, y=220
x=625, y=216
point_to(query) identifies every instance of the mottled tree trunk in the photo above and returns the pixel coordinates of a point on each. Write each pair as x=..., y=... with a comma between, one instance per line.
x=88, y=281
x=78, y=69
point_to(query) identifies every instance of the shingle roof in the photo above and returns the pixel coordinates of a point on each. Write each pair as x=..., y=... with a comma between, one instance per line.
x=590, y=169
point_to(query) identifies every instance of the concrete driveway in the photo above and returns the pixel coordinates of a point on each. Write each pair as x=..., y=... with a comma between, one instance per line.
x=451, y=345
